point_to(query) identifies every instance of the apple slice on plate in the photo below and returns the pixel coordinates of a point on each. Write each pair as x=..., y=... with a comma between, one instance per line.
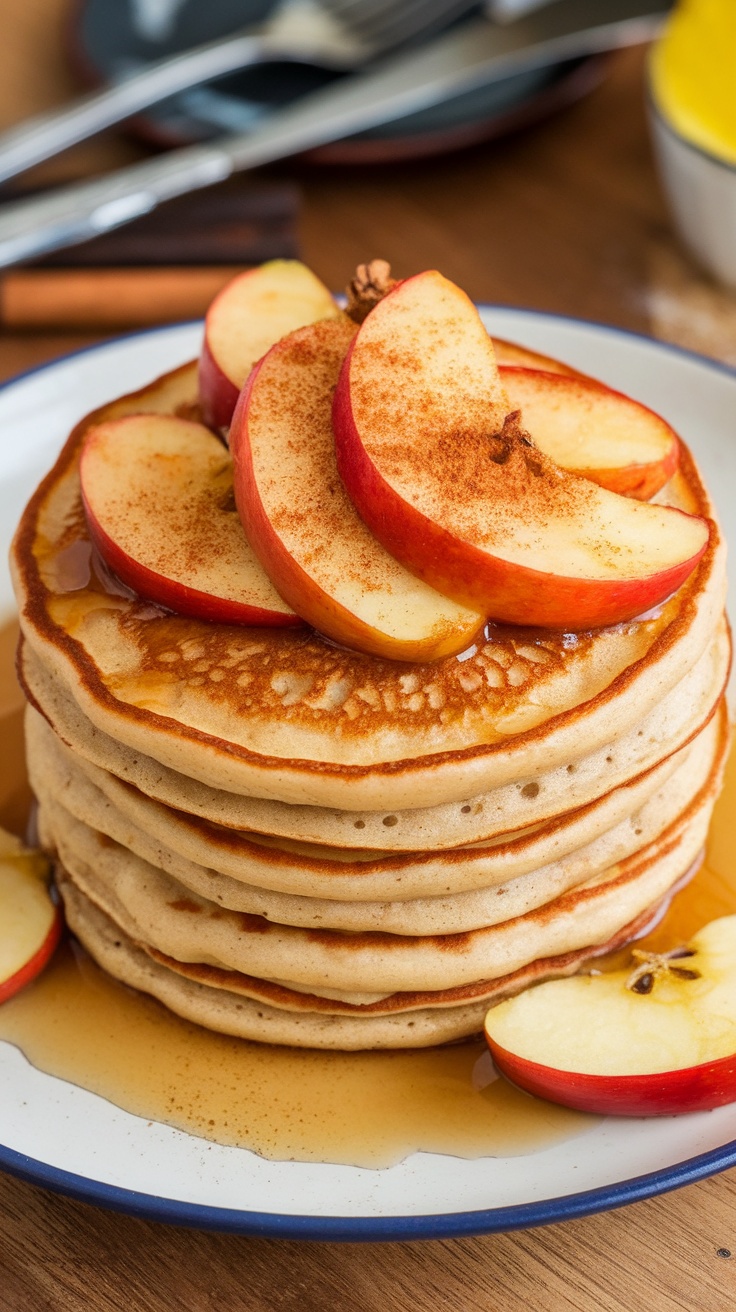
x=591, y=430
x=243, y=322
x=513, y=355
x=455, y=489
x=158, y=495
x=30, y=922
x=301, y=524
x=654, y=1040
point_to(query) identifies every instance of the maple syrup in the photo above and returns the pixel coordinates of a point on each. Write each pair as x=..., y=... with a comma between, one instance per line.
x=363, y=1109
x=15, y=794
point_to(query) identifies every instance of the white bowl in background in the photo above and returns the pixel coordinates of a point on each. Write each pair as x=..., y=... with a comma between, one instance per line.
x=701, y=189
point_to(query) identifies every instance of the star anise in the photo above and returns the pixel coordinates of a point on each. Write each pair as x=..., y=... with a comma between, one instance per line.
x=655, y=965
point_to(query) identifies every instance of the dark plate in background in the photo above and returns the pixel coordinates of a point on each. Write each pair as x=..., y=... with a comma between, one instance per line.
x=109, y=37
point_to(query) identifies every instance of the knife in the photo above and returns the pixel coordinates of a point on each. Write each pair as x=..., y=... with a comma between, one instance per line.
x=466, y=57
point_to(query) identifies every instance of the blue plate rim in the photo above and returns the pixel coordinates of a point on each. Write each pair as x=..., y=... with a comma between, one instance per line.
x=450, y=1225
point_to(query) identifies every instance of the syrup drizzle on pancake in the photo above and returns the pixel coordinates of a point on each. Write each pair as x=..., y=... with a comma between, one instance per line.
x=15, y=793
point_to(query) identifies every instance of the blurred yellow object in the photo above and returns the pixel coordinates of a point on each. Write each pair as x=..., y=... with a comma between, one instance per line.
x=693, y=74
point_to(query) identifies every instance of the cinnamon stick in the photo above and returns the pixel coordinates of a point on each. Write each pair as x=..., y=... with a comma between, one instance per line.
x=114, y=298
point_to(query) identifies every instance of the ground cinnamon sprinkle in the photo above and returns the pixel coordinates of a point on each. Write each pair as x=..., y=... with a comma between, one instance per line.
x=298, y=404
x=484, y=473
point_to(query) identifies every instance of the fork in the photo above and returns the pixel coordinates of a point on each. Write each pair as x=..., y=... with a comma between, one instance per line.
x=333, y=34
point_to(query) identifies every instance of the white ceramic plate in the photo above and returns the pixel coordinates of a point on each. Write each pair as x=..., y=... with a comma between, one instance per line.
x=58, y=1135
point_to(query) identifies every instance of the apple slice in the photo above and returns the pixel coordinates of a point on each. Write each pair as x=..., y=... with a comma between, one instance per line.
x=301, y=524
x=243, y=322
x=455, y=490
x=513, y=355
x=30, y=922
x=654, y=1040
x=158, y=494
x=591, y=430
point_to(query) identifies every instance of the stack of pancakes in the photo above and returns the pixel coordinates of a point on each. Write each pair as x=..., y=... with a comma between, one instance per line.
x=291, y=842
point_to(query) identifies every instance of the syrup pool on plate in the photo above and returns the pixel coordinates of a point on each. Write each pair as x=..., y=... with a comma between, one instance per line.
x=363, y=1109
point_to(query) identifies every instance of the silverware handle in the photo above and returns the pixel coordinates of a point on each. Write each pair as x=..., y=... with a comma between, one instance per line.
x=75, y=213
x=45, y=135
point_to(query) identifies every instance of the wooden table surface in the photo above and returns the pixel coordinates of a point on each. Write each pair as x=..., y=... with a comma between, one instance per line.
x=564, y=217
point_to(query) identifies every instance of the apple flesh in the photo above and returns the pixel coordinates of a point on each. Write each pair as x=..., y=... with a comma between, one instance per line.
x=30, y=922
x=592, y=430
x=301, y=524
x=158, y=495
x=255, y=310
x=652, y=1041
x=451, y=485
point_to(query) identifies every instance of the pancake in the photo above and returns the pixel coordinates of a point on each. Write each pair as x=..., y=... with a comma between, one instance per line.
x=672, y=723
x=292, y=842
x=154, y=909
x=84, y=826
x=501, y=882
x=289, y=717
x=230, y=1012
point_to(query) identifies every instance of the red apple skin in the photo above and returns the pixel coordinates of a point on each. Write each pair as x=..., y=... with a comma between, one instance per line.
x=468, y=575
x=218, y=395
x=293, y=583
x=324, y=614
x=218, y=392
x=512, y=355
x=665, y=1093
x=320, y=610
x=176, y=596
x=635, y=481
x=36, y=963
x=640, y=481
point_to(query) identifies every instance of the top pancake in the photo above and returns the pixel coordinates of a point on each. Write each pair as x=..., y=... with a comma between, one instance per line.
x=286, y=715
